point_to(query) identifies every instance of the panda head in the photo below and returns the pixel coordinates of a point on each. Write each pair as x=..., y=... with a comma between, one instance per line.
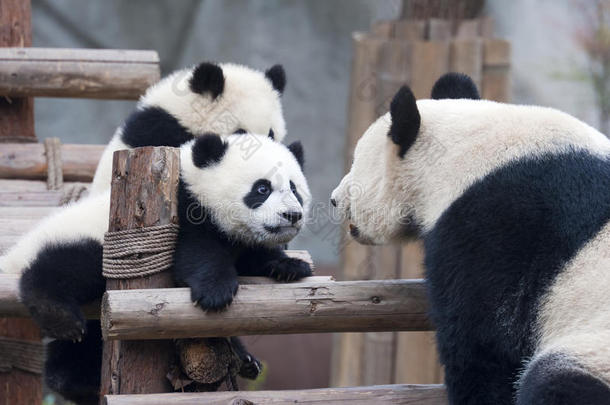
x=257, y=198
x=222, y=98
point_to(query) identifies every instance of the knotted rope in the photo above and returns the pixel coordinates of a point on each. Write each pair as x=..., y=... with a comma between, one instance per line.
x=55, y=175
x=139, y=252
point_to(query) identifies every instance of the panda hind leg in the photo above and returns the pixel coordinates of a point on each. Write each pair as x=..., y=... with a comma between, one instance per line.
x=558, y=379
x=61, y=278
x=73, y=369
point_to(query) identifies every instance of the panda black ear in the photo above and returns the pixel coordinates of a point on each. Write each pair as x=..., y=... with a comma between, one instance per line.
x=208, y=77
x=208, y=149
x=405, y=120
x=455, y=85
x=277, y=77
x=297, y=150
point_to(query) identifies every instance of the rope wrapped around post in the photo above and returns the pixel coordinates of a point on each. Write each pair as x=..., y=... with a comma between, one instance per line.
x=139, y=252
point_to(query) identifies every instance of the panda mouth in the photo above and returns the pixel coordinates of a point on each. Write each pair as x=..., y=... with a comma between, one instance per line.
x=280, y=229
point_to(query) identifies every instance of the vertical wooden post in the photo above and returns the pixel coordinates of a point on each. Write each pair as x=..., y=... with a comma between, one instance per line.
x=144, y=193
x=16, y=114
x=17, y=124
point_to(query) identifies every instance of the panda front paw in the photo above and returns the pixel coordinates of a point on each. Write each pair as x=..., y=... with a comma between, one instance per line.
x=58, y=320
x=290, y=269
x=250, y=367
x=214, y=297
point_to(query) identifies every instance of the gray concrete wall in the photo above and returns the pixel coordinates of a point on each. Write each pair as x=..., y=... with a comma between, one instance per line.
x=312, y=39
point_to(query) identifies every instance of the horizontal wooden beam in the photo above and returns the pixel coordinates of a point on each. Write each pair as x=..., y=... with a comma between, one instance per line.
x=377, y=394
x=304, y=307
x=82, y=73
x=27, y=161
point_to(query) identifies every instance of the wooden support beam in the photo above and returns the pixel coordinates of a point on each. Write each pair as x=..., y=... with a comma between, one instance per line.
x=28, y=161
x=143, y=193
x=379, y=394
x=310, y=307
x=81, y=73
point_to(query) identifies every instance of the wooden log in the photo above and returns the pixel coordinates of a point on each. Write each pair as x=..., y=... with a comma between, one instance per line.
x=410, y=29
x=431, y=61
x=16, y=114
x=438, y=29
x=143, y=193
x=28, y=161
x=496, y=70
x=466, y=56
x=380, y=394
x=17, y=125
x=82, y=73
x=310, y=307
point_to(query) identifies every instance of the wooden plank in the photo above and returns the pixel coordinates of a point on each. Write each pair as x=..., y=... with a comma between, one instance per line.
x=381, y=394
x=410, y=30
x=83, y=73
x=383, y=29
x=468, y=29
x=140, y=367
x=311, y=307
x=438, y=29
x=466, y=56
x=431, y=61
x=496, y=70
x=28, y=161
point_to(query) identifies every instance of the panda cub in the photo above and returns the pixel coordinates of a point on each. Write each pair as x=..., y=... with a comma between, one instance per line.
x=235, y=212
x=221, y=98
x=513, y=205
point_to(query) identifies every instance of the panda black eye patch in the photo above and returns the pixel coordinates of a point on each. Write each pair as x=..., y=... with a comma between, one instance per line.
x=293, y=188
x=271, y=134
x=258, y=194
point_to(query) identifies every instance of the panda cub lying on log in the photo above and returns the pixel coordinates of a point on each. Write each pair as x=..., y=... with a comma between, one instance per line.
x=513, y=205
x=235, y=213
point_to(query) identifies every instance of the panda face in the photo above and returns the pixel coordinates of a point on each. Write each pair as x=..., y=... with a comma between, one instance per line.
x=261, y=198
x=223, y=99
x=415, y=161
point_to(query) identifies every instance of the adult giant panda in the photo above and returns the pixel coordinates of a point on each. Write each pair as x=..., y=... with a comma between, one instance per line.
x=221, y=98
x=235, y=213
x=513, y=205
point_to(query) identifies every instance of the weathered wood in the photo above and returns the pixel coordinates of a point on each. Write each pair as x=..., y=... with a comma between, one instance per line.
x=16, y=114
x=28, y=161
x=466, y=56
x=11, y=307
x=383, y=29
x=15, y=221
x=438, y=29
x=496, y=70
x=83, y=73
x=380, y=394
x=17, y=125
x=310, y=307
x=431, y=61
x=143, y=193
x=410, y=29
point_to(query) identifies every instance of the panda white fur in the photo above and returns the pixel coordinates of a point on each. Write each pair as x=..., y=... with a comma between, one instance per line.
x=235, y=213
x=220, y=98
x=513, y=205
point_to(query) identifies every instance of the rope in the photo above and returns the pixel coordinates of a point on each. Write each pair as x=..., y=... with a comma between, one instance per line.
x=55, y=176
x=139, y=252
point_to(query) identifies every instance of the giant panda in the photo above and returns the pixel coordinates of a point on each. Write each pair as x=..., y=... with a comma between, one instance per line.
x=222, y=98
x=513, y=205
x=235, y=214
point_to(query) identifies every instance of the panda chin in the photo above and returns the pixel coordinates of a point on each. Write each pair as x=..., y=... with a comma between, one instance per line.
x=280, y=234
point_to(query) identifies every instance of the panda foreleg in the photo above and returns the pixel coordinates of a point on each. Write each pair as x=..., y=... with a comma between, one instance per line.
x=207, y=268
x=273, y=263
x=61, y=278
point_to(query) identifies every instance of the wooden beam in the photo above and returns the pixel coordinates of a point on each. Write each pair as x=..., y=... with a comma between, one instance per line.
x=28, y=161
x=82, y=73
x=310, y=307
x=379, y=394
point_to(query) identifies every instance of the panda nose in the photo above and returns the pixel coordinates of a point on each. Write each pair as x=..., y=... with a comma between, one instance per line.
x=333, y=202
x=292, y=216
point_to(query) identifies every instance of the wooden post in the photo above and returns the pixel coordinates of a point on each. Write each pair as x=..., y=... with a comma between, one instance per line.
x=144, y=193
x=17, y=125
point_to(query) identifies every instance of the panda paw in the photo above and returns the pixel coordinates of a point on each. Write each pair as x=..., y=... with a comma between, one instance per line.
x=215, y=298
x=59, y=321
x=290, y=269
x=250, y=367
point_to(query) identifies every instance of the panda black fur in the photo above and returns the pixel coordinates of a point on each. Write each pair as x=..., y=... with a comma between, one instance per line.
x=61, y=260
x=220, y=98
x=513, y=205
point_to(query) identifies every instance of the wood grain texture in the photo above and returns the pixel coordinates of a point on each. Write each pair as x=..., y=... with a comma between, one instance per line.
x=143, y=193
x=28, y=162
x=82, y=73
x=381, y=394
x=310, y=307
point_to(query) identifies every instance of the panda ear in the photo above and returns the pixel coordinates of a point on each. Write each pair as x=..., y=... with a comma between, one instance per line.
x=405, y=120
x=455, y=85
x=207, y=77
x=297, y=150
x=277, y=77
x=208, y=149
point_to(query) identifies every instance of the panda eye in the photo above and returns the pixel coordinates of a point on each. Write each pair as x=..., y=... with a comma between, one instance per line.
x=240, y=131
x=263, y=189
x=271, y=134
x=293, y=188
